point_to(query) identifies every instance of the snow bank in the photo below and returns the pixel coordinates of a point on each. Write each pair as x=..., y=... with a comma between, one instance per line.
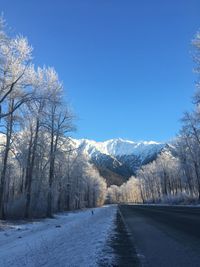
x=71, y=239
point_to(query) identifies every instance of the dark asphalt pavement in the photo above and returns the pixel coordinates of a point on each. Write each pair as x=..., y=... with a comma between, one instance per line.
x=164, y=235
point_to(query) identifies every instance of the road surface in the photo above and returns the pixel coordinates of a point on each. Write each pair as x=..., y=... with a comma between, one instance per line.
x=164, y=235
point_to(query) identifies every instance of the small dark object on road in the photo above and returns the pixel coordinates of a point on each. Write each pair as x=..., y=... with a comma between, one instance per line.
x=58, y=226
x=92, y=212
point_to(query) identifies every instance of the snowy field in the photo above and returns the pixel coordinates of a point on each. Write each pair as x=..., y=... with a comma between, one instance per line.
x=69, y=240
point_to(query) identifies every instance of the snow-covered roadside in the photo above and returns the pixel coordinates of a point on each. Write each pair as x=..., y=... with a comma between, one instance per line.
x=69, y=240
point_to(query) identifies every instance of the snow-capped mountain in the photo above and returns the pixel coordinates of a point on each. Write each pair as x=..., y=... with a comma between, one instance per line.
x=119, y=147
x=118, y=159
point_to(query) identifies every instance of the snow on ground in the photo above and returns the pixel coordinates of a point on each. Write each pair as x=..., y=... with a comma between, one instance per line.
x=74, y=239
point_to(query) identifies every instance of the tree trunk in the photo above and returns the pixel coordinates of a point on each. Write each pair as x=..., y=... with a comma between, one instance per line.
x=5, y=160
x=30, y=167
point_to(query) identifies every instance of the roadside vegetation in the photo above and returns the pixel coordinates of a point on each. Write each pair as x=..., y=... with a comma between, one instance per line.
x=39, y=171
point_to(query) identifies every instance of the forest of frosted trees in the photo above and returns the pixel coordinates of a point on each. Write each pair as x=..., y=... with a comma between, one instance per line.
x=174, y=177
x=40, y=172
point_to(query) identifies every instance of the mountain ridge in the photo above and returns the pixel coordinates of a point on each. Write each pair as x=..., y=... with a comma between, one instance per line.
x=116, y=147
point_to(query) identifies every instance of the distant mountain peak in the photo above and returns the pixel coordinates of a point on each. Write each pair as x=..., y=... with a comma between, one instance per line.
x=118, y=146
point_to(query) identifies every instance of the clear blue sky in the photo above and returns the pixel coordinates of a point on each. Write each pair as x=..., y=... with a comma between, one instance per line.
x=126, y=64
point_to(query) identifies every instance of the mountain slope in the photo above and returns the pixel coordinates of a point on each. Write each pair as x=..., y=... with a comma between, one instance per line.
x=118, y=159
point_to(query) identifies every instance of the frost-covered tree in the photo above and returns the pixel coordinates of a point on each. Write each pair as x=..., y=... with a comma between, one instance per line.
x=41, y=171
x=15, y=90
x=154, y=182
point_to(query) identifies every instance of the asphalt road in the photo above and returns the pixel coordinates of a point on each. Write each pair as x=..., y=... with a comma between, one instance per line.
x=164, y=235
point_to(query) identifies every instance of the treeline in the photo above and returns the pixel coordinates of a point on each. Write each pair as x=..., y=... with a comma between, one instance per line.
x=163, y=180
x=40, y=171
x=174, y=177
